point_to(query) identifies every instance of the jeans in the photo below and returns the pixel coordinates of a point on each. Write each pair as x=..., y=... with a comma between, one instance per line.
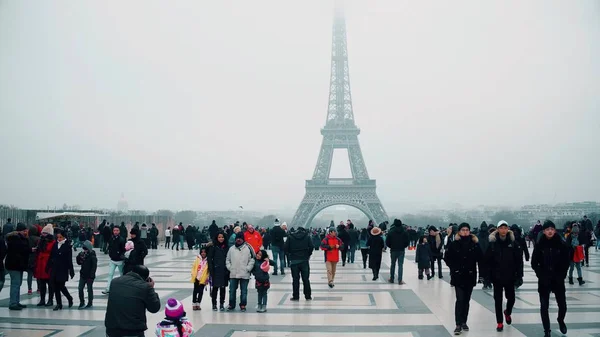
x=461, y=308
x=576, y=265
x=277, y=253
x=365, y=256
x=439, y=263
x=90, y=290
x=198, y=292
x=509, y=290
x=213, y=295
x=558, y=288
x=397, y=255
x=262, y=296
x=352, y=254
x=112, y=265
x=301, y=269
x=181, y=242
x=233, y=284
x=16, y=279
x=167, y=242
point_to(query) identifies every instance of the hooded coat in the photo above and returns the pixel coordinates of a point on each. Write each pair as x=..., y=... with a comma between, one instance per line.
x=217, y=256
x=397, y=238
x=550, y=260
x=240, y=261
x=376, y=246
x=503, y=259
x=483, y=237
x=254, y=239
x=299, y=246
x=88, y=261
x=331, y=254
x=42, y=257
x=462, y=257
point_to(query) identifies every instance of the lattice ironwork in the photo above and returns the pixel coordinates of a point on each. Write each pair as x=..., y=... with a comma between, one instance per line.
x=340, y=132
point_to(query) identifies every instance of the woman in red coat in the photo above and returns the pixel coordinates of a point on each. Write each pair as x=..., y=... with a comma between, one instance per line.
x=41, y=270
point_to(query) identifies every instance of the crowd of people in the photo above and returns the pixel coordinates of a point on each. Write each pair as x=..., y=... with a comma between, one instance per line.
x=228, y=257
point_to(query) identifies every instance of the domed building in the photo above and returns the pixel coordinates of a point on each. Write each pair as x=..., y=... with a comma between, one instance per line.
x=123, y=205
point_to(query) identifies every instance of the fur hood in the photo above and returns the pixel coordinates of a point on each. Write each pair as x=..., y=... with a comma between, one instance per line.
x=473, y=237
x=494, y=235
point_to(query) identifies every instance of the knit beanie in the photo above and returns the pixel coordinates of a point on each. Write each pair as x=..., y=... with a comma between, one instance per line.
x=135, y=231
x=48, y=229
x=21, y=227
x=239, y=235
x=174, y=309
x=433, y=228
x=463, y=225
x=548, y=224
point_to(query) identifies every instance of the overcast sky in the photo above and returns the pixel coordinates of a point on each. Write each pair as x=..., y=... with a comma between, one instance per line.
x=213, y=104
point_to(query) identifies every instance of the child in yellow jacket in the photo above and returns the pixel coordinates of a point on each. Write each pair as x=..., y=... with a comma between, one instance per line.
x=199, y=278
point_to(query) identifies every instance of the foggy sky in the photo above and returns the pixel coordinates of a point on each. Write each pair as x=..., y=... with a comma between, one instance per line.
x=214, y=104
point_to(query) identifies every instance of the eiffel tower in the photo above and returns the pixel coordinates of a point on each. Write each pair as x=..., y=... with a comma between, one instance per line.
x=340, y=132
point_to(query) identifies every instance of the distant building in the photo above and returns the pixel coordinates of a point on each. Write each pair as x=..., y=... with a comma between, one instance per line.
x=122, y=205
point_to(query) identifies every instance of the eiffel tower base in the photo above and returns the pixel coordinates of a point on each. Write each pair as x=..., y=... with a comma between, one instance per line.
x=348, y=193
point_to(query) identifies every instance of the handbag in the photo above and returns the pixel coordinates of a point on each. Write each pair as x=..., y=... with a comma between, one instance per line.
x=578, y=254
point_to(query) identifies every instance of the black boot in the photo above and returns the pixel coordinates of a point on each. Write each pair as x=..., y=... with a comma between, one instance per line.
x=563, y=327
x=571, y=280
x=547, y=333
x=581, y=281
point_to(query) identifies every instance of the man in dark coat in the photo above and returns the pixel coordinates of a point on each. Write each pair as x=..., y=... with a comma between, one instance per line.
x=89, y=262
x=106, y=235
x=130, y=296
x=345, y=237
x=116, y=250
x=17, y=260
x=139, y=252
x=153, y=233
x=213, y=229
x=277, y=246
x=484, y=243
x=504, y=266
x=300, y=247
x=397, y=240
x=123, y=230
x=434, y=240
x=462, y=257
x=353, y=242
x=520, y=240
x=550, y=261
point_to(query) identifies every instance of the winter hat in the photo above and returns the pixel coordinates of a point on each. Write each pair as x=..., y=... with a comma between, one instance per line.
x=236, y=229
x=135, y=231
x=21, y=227
x=375, y=231
x=433, y=228
x=515, y=228
x=502, y=223
x=48, y=229
x=239, y=235
x=129, y=245
x=277, y=221
x=331, y=230
x=265, y=266
x=88, y=245
x=548, y=224
x=174, y=309
x=463, y=225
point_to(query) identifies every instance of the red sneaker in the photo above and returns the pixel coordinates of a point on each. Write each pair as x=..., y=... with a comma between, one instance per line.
x=507, y=318
x=29, y=292
x=500, y=327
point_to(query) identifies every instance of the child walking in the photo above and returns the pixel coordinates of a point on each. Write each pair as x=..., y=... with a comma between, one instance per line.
x=423, y=258
x=175, y=323
x=199, y=278
x=88, y=262
x=261, y=273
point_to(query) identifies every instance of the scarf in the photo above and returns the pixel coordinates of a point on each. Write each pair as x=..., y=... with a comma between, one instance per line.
x=202, y=267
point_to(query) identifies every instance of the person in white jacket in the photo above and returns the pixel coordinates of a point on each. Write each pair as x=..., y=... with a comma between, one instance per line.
x=239, y=262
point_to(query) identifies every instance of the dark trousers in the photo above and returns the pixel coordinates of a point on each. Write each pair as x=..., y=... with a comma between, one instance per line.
x=365, y=256
x=344, y=256
x=43, y=284
x=301, y=269
x=586, y=249
x=154, y=242
x=509, y=290
x=59, y=287
x=375, y=272
x=105, y=246
x=198, y=292
x=90, y=290
x=262, y=295
x=461, y=308
x=558, y=288
x=168, y=242
x=439, y=263
x=213, y=295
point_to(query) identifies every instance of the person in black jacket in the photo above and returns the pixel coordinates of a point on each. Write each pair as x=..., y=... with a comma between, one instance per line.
x=153, y=233
x=61, y=267
x=345, y=237
x=397, y=241
x=217, y=254
x=520, y=240
x=300, y=247
x=176, y=235
x=434, y=240
x=277, y=246
x=376, y=246
x=352, y=243
x=213, y=229
x=462, y=257
x=116, y=251
x=129, y=298
x=261, y=277
x=106, y=235
x=88, y=262
x=139, y=253
x=17, y=260
x=550, y=261
x=504, y=267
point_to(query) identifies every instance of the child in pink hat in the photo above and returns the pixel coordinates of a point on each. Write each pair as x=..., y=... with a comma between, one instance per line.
x=261, y=273
x=175, y=323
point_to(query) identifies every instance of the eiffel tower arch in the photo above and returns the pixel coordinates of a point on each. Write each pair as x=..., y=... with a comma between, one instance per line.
x=340, y=132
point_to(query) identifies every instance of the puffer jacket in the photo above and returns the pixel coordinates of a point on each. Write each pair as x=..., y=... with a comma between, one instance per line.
x=17, y=252
x=42, y=257
x=462, y=257
x=550, y=260
x=503, y=259
x=331, y=254
x=240, y=261
x=88, y=262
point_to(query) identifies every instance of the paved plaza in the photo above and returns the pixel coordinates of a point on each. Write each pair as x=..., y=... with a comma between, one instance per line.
x=356, y=306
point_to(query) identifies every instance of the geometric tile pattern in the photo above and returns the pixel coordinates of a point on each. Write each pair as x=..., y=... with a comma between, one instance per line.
x=356, y=306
